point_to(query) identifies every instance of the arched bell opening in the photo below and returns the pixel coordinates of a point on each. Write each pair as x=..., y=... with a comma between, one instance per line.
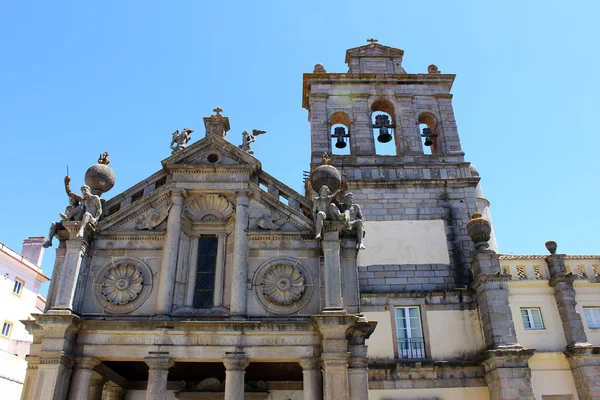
x=340, y=134
x=384, y=126
x=429, y=133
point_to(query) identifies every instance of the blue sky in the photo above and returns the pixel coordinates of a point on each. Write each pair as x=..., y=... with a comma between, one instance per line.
x=81, y=78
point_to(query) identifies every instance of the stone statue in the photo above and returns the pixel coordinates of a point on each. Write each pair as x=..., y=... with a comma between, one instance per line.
x=248, y=138
x=55, y=226
x=323, y=209
x=89, y=209
x=180, y=140
x=103, y=159
x=354, y=218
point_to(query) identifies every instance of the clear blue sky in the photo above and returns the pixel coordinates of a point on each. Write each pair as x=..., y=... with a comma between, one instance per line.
x=80, y=78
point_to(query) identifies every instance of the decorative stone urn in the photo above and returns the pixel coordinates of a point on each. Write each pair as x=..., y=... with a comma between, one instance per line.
x=551, y=246
x=479, y=229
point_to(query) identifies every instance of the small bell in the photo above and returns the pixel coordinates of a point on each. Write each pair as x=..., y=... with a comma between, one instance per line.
x=384, y=135
x=340, y=144
x=427, y=135
x=340, y=133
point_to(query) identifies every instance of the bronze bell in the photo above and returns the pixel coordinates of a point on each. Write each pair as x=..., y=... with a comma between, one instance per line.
x=340, y=133
x=427, y=135
x=382, y=122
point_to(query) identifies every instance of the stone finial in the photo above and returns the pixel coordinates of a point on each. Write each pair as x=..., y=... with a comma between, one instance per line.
x=217, y=124
x=103, y=159
x=479, y=230
x=551, y=246
x=433, y=69
x=100, y=177
x=319, y=69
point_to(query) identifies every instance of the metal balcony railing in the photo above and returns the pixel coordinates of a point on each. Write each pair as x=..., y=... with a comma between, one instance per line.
x=411, y=348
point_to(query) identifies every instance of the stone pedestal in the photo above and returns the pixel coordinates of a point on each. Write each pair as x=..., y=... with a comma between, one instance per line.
x=217, y=124
x=332, y=268
x=82, y=378
x=349, y=271
x=492, y=300
x=33, y=363
x=168, y=266
x=312, y=384
x=507, y=374
x=333, y=330
x=585, y=367
x=235, y=369
x=76, y=249
x=54, y=376
x=158, y=375
x=564, y=293
x=239, y=289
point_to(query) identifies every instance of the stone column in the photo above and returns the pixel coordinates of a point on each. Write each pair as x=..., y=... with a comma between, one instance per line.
x=240, y=257
x=235, y=369
x=312, y=383
x=507, y=374
x=349, y=271
x=333, y=274
x=333, y=329
x=158, y=375
x=564, y=293
x=358, y=374
x=82, y=378
x=33, y=363
x=319, y=127
x=97, y=386
x=54, y=376
x=69, y=272
x=220, y=271
x=168, y=267
x=112, y=391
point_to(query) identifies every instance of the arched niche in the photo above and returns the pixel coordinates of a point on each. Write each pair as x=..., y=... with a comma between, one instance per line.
x=209, y=207
x=340, y=123
x=429, y=121
x=383, y=121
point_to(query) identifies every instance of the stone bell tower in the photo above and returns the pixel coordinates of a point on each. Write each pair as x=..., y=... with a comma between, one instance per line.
x=420, y=175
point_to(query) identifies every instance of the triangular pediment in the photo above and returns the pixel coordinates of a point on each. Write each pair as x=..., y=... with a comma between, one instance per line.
x=211, y=151
x=373, y=50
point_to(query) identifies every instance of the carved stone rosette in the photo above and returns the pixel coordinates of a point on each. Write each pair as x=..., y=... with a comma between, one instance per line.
x=122, y=284
x=283, y=284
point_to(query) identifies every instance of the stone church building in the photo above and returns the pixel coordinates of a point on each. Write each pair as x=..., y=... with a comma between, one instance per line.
x=211, y=279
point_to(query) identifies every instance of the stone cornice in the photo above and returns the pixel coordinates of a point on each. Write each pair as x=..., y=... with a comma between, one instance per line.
x=421, y=183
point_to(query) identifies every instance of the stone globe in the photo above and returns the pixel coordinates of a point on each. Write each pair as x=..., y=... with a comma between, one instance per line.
x=326, y=175
x=100, y=178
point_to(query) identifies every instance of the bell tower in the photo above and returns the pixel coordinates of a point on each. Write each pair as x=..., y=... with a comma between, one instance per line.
x=393, y=135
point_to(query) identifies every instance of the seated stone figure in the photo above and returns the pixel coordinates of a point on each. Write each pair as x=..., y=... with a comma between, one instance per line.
x=324, y=209
x=55, y=226
x=88, y=211
x=353, y=217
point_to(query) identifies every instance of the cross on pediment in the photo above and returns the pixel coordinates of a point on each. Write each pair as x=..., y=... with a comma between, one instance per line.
x=218, y=111
x=372, y=40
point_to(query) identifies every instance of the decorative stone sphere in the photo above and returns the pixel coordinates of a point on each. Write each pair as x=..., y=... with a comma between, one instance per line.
x=319, y=69
x=551, y=246
x=326, y=175
x=100, y=178
x=479, y=230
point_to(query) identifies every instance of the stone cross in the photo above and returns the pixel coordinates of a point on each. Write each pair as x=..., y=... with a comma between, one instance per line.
x=372, y=41
x=218, y=111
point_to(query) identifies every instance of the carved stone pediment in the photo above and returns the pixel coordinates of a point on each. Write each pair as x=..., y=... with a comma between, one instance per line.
x=146, y=214
x=211, y=151
x=266, y=216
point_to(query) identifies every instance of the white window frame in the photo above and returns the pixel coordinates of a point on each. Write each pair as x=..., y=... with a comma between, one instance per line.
x=592, y=316
x=412, y=350
x=18, y=287
x=529, y=314
x=6, y=327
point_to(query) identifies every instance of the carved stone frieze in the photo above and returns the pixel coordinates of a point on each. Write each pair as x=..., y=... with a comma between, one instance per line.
x=153, y=216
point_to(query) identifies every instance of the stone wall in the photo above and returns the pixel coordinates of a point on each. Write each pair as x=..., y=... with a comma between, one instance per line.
x=397, y=278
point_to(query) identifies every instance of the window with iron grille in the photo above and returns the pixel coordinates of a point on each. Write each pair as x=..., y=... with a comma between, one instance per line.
x=409, y=334
x=532, y=318
x=592, y=316
x=205, y=272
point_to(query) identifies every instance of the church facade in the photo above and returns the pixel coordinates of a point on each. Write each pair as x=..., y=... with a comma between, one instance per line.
x=211, y=279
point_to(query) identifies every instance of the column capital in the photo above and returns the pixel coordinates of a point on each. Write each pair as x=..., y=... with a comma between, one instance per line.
x=337, y=360
x=310, y=364
x=159, y=363
x=113, y=391
x=86, y=363
x=242, y=195
x=178, y=194
x=235, y=363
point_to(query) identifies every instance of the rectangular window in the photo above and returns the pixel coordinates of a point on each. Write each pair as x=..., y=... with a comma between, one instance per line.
x=18, y=287
x=205, y=272
x=409, y=334
x=532, y=318
x=6, y=328
x=592, y=316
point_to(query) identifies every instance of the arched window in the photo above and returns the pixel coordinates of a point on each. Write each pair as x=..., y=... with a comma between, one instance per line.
x=384, y=124
x=429, y=133
x=340, y=133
